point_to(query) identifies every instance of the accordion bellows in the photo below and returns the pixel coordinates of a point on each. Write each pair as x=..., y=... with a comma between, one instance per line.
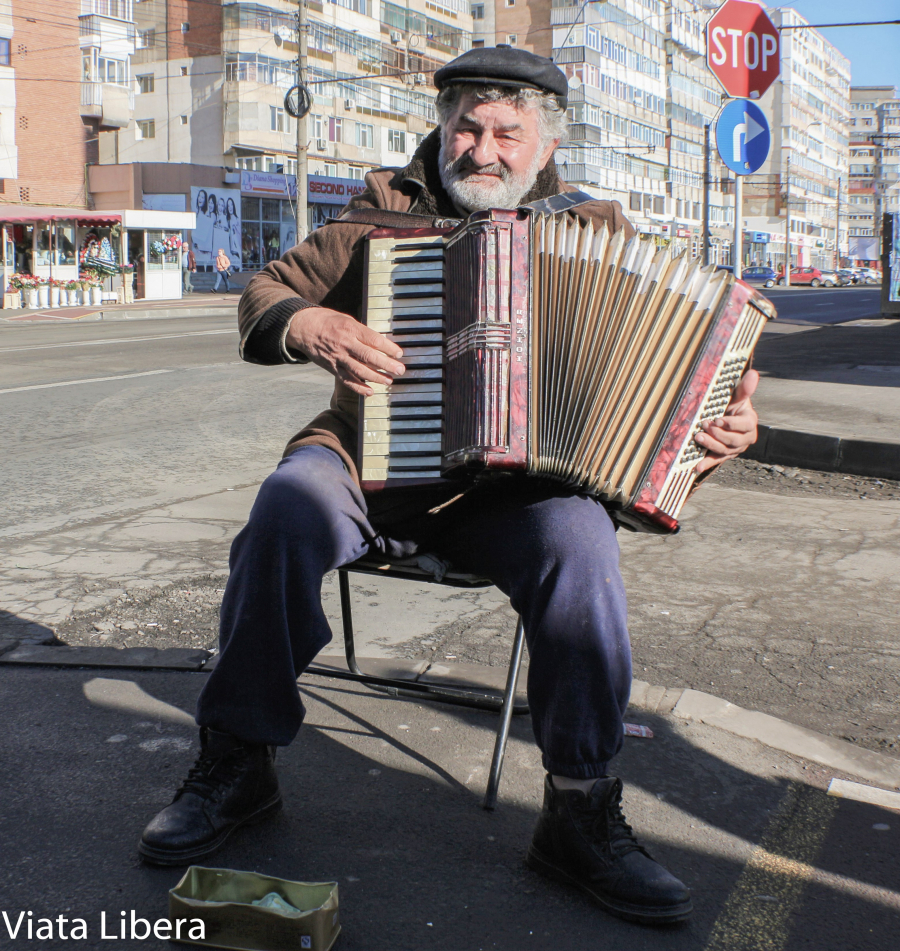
x=543, y=345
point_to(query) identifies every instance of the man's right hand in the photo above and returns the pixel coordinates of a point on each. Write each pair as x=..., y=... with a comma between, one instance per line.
x=349, y=350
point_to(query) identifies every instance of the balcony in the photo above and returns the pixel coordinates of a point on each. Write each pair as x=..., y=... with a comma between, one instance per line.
x=111, y=104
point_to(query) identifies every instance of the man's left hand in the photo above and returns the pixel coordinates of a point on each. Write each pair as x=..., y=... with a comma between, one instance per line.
x=729, y=436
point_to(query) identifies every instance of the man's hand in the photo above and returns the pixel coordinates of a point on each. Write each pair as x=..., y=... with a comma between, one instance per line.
x=346, y=348
x=729, y=436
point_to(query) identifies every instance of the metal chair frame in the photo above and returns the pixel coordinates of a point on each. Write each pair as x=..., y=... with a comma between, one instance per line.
x=506, y=704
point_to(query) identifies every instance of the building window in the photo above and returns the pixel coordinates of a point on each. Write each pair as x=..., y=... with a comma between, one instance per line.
x=510, y=3
x=335, y=130
x=331, y=170
x=276, y=119
x=477, y=11
x=146, y=83
x=477, y=44
x=365, y=135
x=396, y=140
x=659, y=205
x=512, y=38
x=316, y=122
x=146, y=39
x=634, y=201
x=185, y=27
x=146, y=129
x=355, y=172
x=4, y=51
x=183, y=120
x=184, y=70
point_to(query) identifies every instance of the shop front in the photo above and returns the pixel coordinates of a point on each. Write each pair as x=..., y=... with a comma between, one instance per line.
x=268, y=223
x=58, y=256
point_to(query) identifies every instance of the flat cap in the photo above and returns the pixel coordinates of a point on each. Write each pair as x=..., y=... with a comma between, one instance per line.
x=505, y=65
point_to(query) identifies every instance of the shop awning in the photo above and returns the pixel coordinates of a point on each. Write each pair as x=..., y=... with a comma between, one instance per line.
x=18, y=214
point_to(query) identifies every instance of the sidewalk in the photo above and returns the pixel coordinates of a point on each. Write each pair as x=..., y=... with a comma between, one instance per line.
x=383, y=796
x=829, y=397
x=194, y=305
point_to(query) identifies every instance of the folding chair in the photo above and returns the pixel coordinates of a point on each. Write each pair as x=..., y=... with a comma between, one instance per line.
x=411, y=569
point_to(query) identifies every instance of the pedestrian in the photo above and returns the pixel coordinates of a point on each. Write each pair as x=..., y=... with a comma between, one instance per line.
x=223, y=269
x=189, y=267
x=552, y=551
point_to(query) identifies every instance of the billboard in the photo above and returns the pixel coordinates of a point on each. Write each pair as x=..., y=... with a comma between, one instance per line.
x=218, y=224
x=893, y=272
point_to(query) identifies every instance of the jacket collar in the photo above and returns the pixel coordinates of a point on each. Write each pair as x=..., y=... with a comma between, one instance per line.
x=422, y=175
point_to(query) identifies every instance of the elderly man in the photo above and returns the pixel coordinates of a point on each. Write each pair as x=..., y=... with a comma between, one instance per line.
x=554, y=553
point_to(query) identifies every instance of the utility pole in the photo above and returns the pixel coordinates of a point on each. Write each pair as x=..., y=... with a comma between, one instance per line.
x=837, y=231
x=705, y=252
x=738, y=230
x=878, y=141
x=787, y=223
x=302, y=136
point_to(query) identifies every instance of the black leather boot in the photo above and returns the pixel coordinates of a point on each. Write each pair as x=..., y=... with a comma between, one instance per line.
x=584, y=840
x=231, y=784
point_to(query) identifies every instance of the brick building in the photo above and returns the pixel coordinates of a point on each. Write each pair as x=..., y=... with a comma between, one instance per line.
x=51, y=142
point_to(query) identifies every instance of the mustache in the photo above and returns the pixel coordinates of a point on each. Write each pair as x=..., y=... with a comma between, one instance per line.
x=464, y=166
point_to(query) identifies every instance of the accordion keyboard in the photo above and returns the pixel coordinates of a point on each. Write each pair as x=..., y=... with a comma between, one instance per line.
x=400, y=425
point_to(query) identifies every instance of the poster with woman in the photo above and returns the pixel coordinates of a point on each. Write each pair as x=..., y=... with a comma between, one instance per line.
x=218, y=225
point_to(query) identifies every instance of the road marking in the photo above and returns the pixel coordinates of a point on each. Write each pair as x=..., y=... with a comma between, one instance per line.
x=104, y=343
x=757, y=914
x=106, y=379
x=862, y=793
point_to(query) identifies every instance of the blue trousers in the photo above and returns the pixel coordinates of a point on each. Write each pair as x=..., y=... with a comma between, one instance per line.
x=221, y=276
x=554, y=554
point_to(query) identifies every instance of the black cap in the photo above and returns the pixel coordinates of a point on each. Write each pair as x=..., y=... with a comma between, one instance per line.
x=505, y=66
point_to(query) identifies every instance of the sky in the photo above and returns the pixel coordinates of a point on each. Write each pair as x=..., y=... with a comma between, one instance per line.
x=873, y=51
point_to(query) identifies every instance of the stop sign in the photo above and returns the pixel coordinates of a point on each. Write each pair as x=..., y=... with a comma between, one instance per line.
x=742, y=48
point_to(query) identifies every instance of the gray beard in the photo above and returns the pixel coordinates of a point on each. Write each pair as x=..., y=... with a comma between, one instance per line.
x=507, y=191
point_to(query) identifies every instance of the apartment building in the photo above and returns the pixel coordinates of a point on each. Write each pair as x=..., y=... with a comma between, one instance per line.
x=808, y=165
x=874, y=185
x=209, y=85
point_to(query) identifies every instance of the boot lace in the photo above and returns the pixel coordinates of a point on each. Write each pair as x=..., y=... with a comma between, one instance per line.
x=200, y=778
x=608, y=824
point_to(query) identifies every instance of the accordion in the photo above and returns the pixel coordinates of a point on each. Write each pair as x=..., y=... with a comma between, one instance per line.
x=542, y=345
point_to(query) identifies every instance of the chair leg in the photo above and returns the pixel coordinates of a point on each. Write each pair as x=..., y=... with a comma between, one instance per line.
x=509, y=697
x=347, y=621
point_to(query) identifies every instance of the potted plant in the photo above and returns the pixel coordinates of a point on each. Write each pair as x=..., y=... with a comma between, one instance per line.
x=55, y=286
x=14, y=291
x=73, y=293
x=30, y=290
x=43, y=287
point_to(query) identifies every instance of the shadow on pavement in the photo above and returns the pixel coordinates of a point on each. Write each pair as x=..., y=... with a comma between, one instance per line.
x=817, y=354
x=383, y=796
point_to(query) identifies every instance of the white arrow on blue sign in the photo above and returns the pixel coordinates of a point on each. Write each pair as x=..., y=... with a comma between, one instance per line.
x=742, y=136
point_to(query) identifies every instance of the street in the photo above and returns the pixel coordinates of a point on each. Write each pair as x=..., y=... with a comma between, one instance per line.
x=825, y=305
x=133, y=453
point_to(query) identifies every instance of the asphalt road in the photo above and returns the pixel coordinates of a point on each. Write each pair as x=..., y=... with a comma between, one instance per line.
x=824, y=305
x=132, y=453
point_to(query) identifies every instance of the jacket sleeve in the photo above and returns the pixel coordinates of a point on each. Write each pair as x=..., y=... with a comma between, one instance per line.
x=324, y=270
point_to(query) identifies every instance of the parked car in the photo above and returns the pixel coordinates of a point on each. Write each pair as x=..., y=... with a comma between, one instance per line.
x=759, y=274
x=849, y=275
x=868, y=275
x=832, y=279
x=804, y=275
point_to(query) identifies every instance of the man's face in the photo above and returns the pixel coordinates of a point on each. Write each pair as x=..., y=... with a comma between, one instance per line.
x=491, y=153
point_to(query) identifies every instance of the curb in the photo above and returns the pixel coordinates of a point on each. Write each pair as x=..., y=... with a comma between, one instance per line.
x=863, y=457
x=686, y=704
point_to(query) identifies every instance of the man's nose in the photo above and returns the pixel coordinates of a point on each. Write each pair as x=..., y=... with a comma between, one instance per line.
x=484, y=151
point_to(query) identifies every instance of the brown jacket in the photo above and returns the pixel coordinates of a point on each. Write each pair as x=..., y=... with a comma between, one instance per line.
x=327, y=270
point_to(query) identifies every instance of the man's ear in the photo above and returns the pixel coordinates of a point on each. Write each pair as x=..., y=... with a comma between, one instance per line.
x=545, y=155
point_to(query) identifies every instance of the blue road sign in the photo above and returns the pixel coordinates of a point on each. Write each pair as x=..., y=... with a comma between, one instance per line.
x=742, y=136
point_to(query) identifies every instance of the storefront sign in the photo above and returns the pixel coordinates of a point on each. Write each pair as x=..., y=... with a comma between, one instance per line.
x=332, y=191
x=161, y=202
x=758, y=237
x=269, y=184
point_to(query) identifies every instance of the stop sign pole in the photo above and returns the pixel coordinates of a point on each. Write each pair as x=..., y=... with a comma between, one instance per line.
x=743, y=51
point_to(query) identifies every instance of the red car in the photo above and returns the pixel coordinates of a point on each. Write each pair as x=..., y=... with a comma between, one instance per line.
x=804, y=275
